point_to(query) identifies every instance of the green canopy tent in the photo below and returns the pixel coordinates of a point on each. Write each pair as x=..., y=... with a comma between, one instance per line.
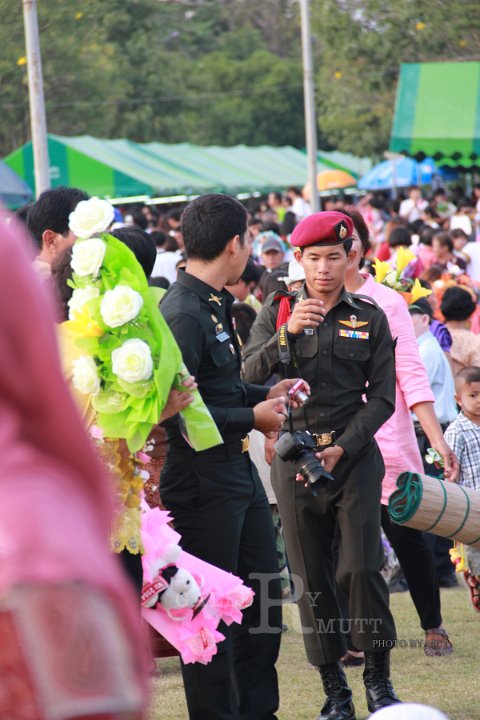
x=437, y=112
x=124, y=169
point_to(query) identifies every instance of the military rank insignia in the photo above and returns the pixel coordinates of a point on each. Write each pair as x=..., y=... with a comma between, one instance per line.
x=355, y=334
x=341, y=230
x=215, y=299
x=352, y=322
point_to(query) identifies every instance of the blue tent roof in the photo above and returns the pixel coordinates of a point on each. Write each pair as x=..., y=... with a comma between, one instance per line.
x=14, y=192
x=400, y=173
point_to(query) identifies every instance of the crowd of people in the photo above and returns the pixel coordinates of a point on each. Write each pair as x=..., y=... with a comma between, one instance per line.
x=374, y=307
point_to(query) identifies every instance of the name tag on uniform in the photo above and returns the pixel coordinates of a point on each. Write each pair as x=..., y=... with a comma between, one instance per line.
x=221, y=337
x=355, y=334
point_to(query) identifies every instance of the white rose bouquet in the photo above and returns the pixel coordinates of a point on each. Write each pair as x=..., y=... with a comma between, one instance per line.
x=130, y=360
x=91, y=217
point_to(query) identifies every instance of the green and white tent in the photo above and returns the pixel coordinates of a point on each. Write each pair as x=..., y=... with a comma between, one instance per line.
x=437, y=112
x=124, y=169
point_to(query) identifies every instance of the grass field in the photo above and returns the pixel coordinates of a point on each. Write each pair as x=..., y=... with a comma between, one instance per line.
x=449, y=683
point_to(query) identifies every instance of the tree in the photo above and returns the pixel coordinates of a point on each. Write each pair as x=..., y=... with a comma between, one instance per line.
x=359, y=48
x=224, y=71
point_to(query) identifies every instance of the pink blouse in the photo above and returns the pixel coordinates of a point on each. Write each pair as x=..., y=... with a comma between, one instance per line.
x=396, y=438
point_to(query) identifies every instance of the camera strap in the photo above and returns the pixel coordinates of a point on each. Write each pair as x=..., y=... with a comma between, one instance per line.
x=288, y=363
x=285, y=351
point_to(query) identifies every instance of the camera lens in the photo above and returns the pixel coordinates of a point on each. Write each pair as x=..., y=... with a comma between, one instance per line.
x=311, y=469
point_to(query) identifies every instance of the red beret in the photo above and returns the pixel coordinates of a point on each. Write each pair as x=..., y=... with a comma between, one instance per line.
x=323, y=228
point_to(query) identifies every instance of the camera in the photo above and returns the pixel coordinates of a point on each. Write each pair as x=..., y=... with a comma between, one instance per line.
x=299, y=392
x=300, y=448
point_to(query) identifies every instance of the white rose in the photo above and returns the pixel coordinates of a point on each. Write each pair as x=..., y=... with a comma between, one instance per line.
x=79, y=299
x=90, y=217
x=85, y=376
x=132, y=361
x=120, y=305
x=87, y=256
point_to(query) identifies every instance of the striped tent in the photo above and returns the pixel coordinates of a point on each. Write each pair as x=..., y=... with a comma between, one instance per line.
x=437, y=112
x=123, y=169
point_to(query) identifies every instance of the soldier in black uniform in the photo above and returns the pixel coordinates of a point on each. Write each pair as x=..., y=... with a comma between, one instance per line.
x=216, y=498
x=341, y=344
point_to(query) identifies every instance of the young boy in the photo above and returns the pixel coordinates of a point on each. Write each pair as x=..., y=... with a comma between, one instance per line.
x=463, y=436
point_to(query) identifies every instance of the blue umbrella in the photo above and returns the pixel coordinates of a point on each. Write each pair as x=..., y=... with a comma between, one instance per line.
x=400, y=173
x=14, y=192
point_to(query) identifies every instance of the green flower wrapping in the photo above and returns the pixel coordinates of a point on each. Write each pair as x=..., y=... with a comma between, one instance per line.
x=136, y=356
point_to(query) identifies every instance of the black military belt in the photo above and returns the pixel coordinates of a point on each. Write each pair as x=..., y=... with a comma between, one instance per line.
x=228, y=448
x=325, y=439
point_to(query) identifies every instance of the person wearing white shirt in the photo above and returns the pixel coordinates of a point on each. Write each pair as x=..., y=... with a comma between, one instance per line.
x=168, y=257
x=436, y=364
x=300, y=206
x=472, y=250
x=412, y=208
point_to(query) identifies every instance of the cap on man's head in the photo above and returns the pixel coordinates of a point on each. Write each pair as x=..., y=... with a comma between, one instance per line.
x=421, y=307
x=296, y=273
x=272, y=244
x=324, y=228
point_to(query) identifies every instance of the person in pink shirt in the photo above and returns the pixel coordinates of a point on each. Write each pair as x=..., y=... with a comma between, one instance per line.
x=398, y=444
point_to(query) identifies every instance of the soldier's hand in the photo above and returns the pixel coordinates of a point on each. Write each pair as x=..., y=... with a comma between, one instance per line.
x=269, y=415
x=269, y=447
x=306, y=314
x=179, y=399
x=282, y=388
x=330, y=456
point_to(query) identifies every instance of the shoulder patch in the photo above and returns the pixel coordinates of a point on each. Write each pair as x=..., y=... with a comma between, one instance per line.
x=275, y=297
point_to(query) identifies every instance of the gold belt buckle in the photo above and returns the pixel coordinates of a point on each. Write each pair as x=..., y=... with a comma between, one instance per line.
x=245, y=443
x=323, y=439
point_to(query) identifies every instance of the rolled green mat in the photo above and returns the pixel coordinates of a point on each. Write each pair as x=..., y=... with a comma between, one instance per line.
x=433, y=505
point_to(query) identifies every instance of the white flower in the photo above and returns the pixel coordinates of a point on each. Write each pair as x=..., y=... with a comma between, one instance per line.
x=120, y=305
x=90, y=217
x=79, y=299
x=132, y=361
x=87, y=256
x=85, y=376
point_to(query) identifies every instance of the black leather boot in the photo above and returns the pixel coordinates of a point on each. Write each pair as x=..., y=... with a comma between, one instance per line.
x=339, y=705
x=376, y=678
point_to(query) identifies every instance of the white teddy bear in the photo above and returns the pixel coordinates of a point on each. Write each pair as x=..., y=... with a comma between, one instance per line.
x=178, y=590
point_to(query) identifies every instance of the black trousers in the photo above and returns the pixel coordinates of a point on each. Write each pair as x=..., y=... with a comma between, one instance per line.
x=417, y=564
x=439, y=547
x=220, y=509
x=418, y=567
x=348, y=508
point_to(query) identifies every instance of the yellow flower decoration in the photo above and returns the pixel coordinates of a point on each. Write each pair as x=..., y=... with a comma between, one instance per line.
x=78, y=15
x=21, y=61
x=404, y=257
x=338, y=74
x=420, y=26
x=418, y=291
x=457, y=556
x=381, y=270
x=83, y=325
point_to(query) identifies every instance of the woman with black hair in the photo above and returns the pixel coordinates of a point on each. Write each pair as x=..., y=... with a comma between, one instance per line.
x=457, y=308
